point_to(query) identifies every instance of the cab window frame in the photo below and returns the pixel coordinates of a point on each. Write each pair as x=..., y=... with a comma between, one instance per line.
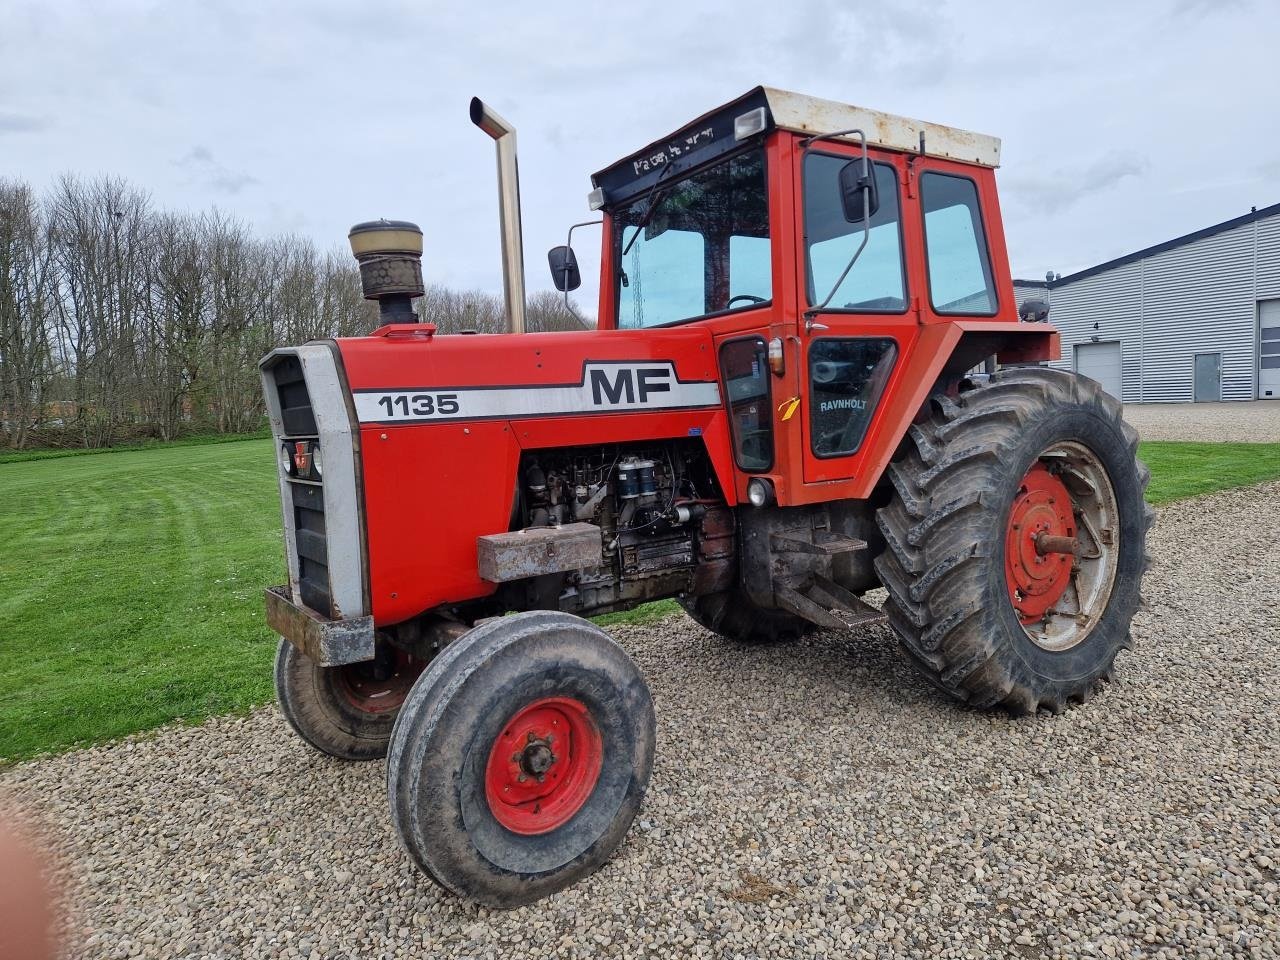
x=811, y=296
x=984, y=247
x=617, y=230
x=754, y=338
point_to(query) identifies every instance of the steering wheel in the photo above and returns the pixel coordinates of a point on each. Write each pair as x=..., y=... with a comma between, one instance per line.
x=751, y=298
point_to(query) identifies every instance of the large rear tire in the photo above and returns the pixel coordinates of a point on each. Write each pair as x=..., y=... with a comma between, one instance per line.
x=1015, y=540
x=736, y=618
x=520, y=758
x=346, y=712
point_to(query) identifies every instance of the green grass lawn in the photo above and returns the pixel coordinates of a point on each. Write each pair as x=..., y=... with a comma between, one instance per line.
x=131, y=590
x=131, y=583
x=1180, y=470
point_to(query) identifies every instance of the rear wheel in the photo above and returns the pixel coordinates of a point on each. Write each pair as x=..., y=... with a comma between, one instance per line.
x=520, y=758
x=735, y=617
x=347, y=711
x=1015, y=540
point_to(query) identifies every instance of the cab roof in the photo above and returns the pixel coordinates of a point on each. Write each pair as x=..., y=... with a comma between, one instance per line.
x=713, y=134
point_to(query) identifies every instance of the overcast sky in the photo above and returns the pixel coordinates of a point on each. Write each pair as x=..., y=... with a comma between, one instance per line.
x=1124, y=123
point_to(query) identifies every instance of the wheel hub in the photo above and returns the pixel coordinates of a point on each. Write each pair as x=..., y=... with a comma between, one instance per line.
x=537, y=758
x=543, y=765
x=378, y=686
x=1039, y=544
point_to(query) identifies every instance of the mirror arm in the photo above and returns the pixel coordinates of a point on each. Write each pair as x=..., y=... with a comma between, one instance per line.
x=568, y=242
x=866, y=217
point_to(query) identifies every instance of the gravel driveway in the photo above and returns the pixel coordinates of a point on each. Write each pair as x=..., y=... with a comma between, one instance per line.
x=814, y=799
x=1241, y=422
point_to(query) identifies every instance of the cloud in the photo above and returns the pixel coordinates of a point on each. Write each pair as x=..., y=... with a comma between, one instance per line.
x=1199, y=8
x=202, y=164
x=1062, y=189
x=21, y=123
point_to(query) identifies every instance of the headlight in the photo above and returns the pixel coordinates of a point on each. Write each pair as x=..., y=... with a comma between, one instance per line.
x=286, y=460
x=760, y=492
x=315, y=461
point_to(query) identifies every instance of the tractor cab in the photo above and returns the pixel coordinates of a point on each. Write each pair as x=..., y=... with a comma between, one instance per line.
x=835, y=255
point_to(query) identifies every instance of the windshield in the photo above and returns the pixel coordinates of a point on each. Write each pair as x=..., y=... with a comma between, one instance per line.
x=702, y=248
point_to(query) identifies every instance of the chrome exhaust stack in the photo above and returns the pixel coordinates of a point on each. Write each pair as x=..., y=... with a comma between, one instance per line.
x=504, y=136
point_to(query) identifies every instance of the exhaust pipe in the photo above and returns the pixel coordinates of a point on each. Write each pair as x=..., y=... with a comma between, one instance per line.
x=504, y=136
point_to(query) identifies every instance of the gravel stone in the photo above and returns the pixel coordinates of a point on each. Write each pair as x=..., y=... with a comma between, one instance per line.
x=813, y=799
x=1238, y=422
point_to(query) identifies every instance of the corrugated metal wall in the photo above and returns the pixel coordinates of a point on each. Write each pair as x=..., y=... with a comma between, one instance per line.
x=1029, y=291
x=1200, y=297
x=1268, y=258
x=1112, y=301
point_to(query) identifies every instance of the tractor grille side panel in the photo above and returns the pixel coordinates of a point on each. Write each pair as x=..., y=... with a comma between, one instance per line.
x=323, y=527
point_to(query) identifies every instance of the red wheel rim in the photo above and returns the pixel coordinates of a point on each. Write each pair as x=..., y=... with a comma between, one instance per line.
x=1042, y=506
x=543, y=765
x=361, y=686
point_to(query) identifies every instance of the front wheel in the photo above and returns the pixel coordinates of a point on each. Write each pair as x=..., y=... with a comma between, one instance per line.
x=1015, y=540
x=520, y=758
x=346, y=712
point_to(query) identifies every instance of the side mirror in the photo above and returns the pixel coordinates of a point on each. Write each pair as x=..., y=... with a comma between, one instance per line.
x=852, y=185
x=1033, y=311
x=564, y=268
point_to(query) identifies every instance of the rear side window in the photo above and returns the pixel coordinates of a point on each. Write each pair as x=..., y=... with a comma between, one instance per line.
x=956, y=246
x=745, y=368
x=846, y=378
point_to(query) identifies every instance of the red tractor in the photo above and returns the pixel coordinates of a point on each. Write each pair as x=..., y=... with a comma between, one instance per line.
x=776, y=414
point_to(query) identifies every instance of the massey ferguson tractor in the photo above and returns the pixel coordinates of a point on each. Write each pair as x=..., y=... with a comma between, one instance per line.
x=775, y=415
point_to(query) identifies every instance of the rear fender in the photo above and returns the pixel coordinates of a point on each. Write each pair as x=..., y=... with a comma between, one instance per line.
x=1010, y=342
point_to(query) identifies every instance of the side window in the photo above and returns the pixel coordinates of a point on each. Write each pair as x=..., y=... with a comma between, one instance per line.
x=956, y=246
x=846, y=378
x=745, y=368
x=750, y=270
x=875, y=284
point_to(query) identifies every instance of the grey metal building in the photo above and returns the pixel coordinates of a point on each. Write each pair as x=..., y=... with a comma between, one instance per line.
x=1195, y=318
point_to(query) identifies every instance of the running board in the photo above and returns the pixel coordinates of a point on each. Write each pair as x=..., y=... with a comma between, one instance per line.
x=827, y=604
x=824, y=544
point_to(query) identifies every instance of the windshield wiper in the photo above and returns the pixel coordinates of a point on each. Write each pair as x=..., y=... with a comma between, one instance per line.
x=650, y=204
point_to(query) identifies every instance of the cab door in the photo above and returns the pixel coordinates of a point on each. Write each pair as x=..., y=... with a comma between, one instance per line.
x=854, y=327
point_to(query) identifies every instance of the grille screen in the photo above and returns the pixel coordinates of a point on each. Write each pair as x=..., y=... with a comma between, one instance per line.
x=295, y=404
x=310, y=543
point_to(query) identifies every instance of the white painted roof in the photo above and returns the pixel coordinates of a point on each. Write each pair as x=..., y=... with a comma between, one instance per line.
x=813, y=115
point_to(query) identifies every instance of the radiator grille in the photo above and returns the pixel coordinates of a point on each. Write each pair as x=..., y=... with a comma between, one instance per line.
x=310, y=544
x=313, y=554
x=295, y=402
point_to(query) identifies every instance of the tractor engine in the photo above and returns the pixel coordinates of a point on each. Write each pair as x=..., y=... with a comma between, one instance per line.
x=664, y=526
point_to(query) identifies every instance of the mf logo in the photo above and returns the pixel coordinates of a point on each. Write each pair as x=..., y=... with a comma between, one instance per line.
x=628, y=384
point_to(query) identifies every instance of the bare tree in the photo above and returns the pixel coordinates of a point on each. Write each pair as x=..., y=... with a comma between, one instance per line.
x=548, y=311
x=118, y=321
x=26, y=362
x=100, y=237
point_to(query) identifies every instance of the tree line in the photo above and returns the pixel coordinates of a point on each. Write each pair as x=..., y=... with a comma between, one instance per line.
x=121, y=322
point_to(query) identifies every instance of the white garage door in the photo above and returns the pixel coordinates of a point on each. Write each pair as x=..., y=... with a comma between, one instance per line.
x=1269, y=363
x=1102, y=362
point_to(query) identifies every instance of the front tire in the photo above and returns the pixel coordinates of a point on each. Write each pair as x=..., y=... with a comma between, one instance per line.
x=346, y=712
x=1015, y=540
x=520, y=758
